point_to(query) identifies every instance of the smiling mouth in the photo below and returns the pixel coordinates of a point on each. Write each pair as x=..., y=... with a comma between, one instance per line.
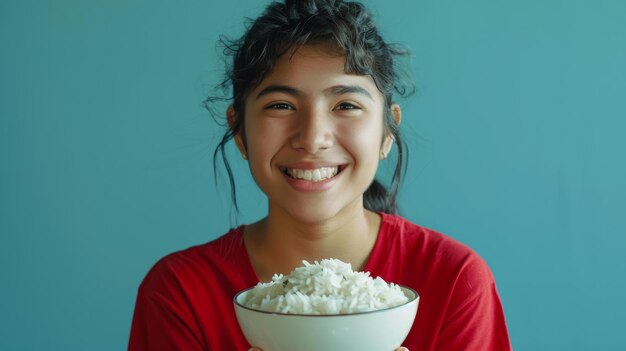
x=312, y=175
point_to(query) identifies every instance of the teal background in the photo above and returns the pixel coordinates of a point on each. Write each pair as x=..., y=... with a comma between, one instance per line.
x=516, y=138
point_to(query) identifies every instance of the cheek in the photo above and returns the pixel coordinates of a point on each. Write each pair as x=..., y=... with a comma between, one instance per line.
x=363, y=139
x=265, y=141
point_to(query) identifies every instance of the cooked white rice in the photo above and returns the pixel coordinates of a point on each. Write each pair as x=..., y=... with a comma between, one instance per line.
x=326, y=287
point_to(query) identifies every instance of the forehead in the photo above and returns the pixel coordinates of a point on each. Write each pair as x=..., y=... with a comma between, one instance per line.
x=313, y=68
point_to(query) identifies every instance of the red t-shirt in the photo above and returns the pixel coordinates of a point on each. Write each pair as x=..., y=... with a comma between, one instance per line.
x=185, y=301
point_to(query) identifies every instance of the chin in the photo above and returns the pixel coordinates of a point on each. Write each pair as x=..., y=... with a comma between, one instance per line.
x=313, y=215
x=320, y=212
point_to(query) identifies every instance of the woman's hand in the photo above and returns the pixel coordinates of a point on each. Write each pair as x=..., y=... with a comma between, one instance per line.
x=401, y=348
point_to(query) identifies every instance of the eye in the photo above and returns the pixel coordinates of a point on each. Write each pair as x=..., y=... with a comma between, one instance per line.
x=280, y=106
x=347, y=106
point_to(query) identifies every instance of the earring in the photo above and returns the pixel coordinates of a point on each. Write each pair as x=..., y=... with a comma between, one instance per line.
x=383, y=155
x=244, y=156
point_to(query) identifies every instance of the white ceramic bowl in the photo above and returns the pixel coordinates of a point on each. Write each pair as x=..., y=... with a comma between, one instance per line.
x=381, y=330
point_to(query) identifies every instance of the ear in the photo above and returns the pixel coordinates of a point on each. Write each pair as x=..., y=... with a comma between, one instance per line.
x=397, y=113
x=388, y=142
x=231, y=117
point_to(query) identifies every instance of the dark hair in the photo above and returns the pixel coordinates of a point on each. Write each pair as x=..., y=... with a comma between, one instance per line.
x=345, y=26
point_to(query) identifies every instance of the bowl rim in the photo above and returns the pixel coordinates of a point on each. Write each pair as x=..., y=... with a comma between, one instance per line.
x=411, y=300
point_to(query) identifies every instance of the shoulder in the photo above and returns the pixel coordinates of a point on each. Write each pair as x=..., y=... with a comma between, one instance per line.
x=182, y=293
x=196, y=263
x=221, y=248
x=421, y=240
x=459, y=304
x=436, y=256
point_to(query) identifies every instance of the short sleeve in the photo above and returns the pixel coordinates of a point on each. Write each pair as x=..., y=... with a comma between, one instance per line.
x=475, y=318
x=162, y=319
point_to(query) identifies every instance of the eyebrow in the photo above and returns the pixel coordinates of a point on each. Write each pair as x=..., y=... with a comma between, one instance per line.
x=335, y=90
x=350, y=89
x=277, y=88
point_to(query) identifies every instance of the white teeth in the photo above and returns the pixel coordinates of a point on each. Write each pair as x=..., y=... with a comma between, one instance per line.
x=314, y=175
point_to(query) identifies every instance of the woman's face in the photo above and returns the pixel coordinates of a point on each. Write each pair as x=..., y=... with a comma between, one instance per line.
x=313, y=135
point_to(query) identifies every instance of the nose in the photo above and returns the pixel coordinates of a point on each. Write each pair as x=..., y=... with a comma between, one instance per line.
x=313, y=131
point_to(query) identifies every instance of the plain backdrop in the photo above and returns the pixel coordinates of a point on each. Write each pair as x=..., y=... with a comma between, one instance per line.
x=516, y=138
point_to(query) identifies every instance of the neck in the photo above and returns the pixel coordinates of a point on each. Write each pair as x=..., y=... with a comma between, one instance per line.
x=279, y=243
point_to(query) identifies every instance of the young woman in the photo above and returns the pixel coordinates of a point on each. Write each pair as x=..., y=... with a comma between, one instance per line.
x=313, y=113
